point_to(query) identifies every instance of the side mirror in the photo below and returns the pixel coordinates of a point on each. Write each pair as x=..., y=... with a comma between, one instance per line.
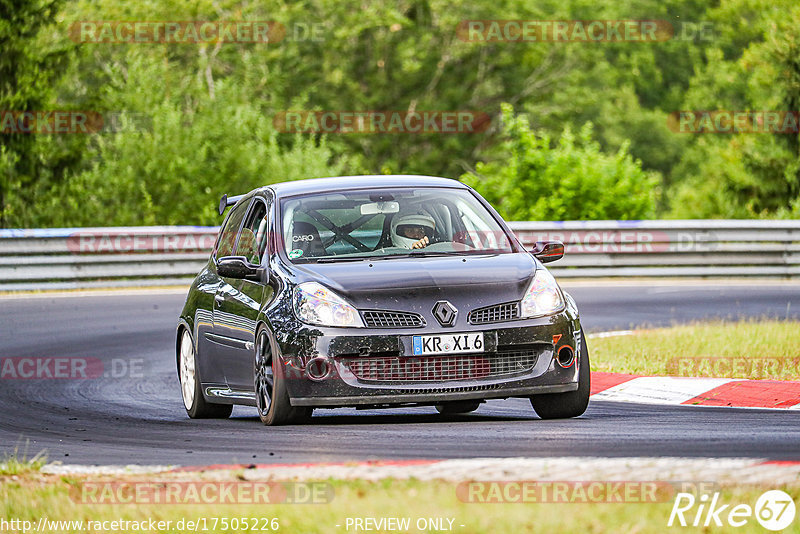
x=547, y=251
x=239, y=268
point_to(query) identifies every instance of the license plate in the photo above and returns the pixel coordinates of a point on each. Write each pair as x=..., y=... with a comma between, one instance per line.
x=447, y=344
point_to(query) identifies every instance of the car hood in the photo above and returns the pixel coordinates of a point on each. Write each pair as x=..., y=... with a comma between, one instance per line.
x=415, y=284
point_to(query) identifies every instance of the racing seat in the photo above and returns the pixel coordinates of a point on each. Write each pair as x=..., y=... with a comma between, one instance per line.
x=305, y=237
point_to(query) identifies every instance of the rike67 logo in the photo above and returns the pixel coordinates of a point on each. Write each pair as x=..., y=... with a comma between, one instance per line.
x=774, y=510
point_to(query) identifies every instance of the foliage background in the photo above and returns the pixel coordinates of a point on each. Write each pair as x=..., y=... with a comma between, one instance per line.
x=584, y=134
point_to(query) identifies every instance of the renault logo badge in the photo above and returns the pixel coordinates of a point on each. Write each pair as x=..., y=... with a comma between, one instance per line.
x=445, y=313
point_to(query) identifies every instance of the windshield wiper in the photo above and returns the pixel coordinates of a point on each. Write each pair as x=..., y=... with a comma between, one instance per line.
x=337, y=260
x=415, y=254
x=427, y=254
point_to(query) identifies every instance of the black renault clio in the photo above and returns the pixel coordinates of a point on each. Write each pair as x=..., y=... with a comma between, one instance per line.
x=372, y=292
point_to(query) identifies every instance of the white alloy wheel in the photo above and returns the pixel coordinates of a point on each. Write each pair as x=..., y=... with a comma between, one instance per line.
x=187, y=370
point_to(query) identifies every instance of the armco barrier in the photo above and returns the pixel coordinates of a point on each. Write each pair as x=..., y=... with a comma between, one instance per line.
x=102, y=257
x=158, y=255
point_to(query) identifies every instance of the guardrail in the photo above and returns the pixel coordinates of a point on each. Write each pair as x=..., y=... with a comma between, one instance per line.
x=159, y=255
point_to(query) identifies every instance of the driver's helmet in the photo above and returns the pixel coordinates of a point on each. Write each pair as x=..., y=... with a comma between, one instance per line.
x=407, y=224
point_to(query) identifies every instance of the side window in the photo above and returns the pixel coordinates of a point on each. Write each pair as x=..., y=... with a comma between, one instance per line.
x=227, y=236
x=253, y=238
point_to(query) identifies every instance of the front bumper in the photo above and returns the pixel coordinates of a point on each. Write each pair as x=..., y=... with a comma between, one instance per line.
x=519, y=361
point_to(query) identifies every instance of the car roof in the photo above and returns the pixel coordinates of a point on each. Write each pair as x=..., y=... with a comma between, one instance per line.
x=339, y=183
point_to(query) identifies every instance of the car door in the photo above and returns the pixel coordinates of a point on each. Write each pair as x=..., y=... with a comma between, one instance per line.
x=238, y=302
x=208, y=347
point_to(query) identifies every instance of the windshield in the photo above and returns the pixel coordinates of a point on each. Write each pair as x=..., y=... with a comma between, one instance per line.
x=386, y=223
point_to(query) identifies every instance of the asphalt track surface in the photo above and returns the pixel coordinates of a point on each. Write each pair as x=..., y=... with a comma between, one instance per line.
x=141, y=420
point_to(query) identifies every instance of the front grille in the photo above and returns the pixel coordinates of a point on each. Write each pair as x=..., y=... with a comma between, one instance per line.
x=442, y=368
x=451, y=389
x=392, y=319
x=495, y=314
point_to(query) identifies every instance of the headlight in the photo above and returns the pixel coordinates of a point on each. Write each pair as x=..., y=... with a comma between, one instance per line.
x=318, y=305
x=543, y=296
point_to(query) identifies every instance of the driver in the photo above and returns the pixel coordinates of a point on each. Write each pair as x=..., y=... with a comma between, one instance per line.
x=412, y=229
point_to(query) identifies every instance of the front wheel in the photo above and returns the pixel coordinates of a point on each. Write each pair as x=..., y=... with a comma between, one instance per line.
x=196, y=405
x=572, y=403
x=272, y=399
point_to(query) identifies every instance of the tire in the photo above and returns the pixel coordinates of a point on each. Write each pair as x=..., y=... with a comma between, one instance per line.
x=196, y=405
x=457, y=407
x=272, y=398
x=572, y=403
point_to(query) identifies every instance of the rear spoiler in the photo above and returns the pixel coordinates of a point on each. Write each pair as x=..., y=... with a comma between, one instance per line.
x=226, y=201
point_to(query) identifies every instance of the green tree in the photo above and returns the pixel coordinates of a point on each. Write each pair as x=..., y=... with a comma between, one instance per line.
x=570, y=180
x=390, y=56
x=746, y=174
x=30, y=61
x=171, y=164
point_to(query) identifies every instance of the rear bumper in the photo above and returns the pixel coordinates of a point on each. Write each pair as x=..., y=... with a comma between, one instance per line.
x=345, y=386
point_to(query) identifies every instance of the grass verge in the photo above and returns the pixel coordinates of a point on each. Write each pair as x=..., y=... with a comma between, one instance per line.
x=762, y=349
x=35, y=495
x=12, y=464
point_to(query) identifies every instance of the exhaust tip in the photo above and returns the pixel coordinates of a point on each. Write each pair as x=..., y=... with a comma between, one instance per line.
x=566, y=356
x=318, y=369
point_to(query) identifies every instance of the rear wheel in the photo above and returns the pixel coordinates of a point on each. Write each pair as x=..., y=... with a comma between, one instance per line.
x=456, y=407
x=196, y=405
x=572, y=403
x=272, y=399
